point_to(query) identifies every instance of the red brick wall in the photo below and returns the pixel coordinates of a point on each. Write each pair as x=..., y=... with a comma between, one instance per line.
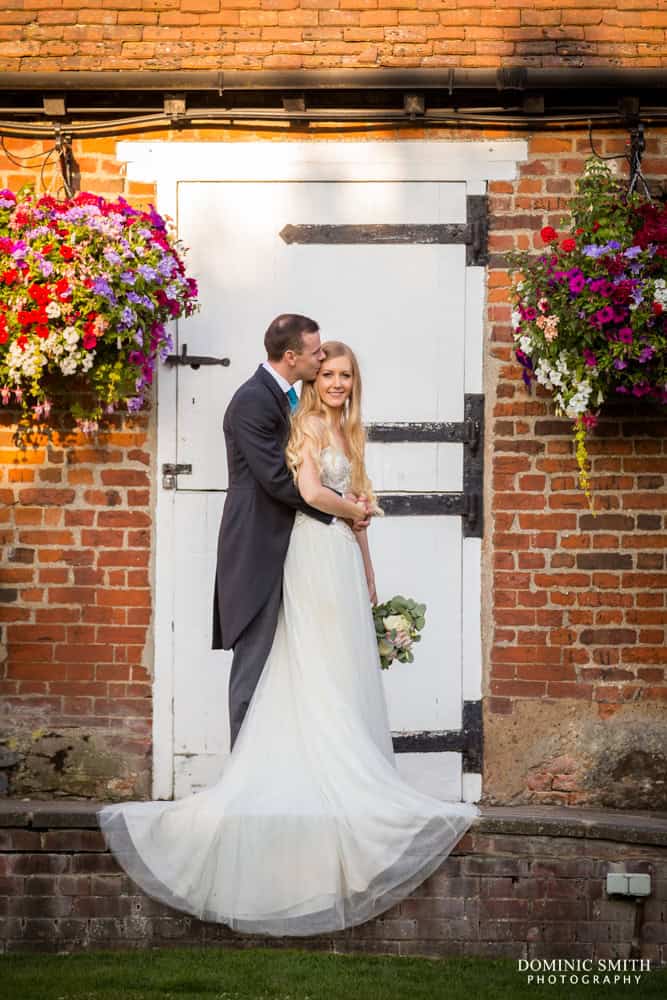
x=574, y=609
x=576, y=659
x=75, y=587
x=40, y=35
x=75, y=605
x=533, y=892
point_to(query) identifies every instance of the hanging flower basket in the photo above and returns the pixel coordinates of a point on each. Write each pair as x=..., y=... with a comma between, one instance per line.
x=590, y=311
x=86, y=287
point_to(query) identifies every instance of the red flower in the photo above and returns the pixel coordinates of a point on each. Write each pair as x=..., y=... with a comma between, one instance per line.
x=22, y=340
x=25, y=317
x=657, y=308
x=39, y=294
x=578, y=232
x=47, y=248
x=66, y=252
x=622, y=292
x=548, y=234
x=46, y=201
x=3, y=335
x=569, y=245
x=596, y=226
x=63, y=291
x=89, y=341
x=86, y=198
x=9, y=277
x=42, y=331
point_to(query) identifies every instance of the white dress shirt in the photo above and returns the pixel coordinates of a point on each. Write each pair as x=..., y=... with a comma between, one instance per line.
x=282, y=382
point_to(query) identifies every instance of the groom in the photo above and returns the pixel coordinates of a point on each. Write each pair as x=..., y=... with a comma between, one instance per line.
x=260, y=506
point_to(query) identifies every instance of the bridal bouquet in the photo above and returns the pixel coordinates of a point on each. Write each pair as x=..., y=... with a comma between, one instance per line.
x=398, y=623
x=590, y=310
x=86, y=287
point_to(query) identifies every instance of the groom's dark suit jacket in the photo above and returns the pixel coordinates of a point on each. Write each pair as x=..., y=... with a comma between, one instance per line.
x=259, y=509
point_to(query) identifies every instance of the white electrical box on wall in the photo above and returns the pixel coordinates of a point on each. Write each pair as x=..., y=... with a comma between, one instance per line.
x=626, y=884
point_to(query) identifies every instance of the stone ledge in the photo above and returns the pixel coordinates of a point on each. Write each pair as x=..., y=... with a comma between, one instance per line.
x=526, y=821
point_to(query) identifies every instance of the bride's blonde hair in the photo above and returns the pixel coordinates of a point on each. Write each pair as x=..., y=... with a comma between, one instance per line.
x=311, y=423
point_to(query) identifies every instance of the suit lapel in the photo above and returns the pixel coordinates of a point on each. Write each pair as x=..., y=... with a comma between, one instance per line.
x=273, y=387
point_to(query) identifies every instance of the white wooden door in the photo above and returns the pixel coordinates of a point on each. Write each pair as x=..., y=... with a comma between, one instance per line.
x=402, y=309
x=413, y=315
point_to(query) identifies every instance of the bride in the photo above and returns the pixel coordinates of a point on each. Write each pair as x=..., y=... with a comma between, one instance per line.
x=309, y=828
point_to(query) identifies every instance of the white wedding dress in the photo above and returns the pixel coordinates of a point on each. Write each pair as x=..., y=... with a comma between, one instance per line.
x=309, y=828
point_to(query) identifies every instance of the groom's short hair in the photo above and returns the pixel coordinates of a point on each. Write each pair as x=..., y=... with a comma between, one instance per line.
x=286, y=334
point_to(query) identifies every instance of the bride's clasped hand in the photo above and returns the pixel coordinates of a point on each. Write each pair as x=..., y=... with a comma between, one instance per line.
x=309, y=828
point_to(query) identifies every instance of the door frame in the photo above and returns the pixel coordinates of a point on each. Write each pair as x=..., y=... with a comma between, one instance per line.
x=166, y=163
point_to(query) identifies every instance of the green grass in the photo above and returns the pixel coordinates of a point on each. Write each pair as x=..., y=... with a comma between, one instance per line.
x=290, y=974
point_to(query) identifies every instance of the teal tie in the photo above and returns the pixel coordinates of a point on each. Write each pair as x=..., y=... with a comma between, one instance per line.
x=293, y=398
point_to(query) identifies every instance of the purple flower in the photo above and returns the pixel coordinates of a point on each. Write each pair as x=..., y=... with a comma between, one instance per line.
x=125, y=206
x=613, y=245
x=46, y=267
x=621, y=388
x=605, y=315
x=641, y=389
x=526, y=366
x=128, y=316
x=577, y=281
x=593, y=250
x=128, y=278
x=589, y=357
x=133, y=297
x=102, y=287
x=632, y=252
x=134, y=403
x=147, y=272
x=619, y=363
x=625, y=335
x=166, y=267
x=156, y=219
x=111, y=256
x=646, y=353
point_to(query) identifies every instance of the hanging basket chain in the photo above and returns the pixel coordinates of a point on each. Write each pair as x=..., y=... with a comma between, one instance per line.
x=62, y=148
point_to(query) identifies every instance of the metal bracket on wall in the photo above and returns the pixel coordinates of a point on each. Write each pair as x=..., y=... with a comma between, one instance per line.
x=470, y=433
x=468, y=740
x=169, y=472
x=195, y=360
x=473, y=233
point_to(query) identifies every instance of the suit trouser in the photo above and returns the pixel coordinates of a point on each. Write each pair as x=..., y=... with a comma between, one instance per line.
x=251, y=651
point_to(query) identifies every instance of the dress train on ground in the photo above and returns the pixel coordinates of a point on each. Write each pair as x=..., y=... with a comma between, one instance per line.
x=309, y=828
